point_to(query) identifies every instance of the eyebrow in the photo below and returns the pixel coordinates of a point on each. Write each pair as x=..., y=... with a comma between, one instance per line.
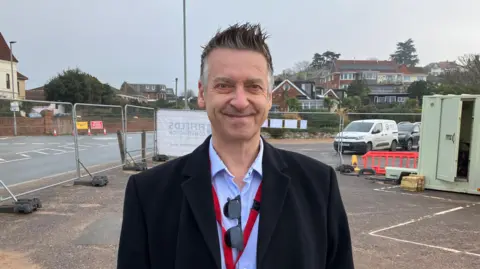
x=229, y=80
x=223, y=79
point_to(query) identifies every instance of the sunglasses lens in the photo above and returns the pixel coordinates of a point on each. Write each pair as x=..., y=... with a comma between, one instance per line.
x=234, y=238
x=233, y=208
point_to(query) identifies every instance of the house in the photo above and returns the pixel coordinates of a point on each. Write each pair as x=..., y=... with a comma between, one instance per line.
x=413, y=74
x=8, y=81
x=38, y=94
x=153, y=92
x=303, y=91
x=385, y=79
x=170, y=95
x=35, y=94
x=437, y=69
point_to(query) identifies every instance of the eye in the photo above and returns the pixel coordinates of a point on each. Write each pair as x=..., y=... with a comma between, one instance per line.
x=255, y=87
x=222, y=86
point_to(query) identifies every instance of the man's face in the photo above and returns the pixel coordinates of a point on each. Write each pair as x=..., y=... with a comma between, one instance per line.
x=236, y=95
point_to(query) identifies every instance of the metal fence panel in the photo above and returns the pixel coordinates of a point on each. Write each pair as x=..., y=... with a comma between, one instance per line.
x=138, y=119
x=36, y=142
x=95, y=130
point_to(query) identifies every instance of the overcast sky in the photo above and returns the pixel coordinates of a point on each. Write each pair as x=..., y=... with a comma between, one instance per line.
x=141, y=41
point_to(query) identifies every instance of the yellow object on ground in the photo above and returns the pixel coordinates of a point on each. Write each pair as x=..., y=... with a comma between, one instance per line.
x=355, y=163
x=414, y=183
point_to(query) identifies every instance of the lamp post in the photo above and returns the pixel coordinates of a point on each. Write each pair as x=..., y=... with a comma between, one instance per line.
x=185, y=54
x=13, y=88
x=176, y=92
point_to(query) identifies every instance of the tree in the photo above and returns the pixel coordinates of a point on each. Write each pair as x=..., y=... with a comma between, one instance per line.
x=358, y=88
x=75, y=86
x=293, y=104
x=351, y=103
x=467, y=73
x=406, y=53
x=330, y=57
x=190, y=93
x=329, y=103
x=301, y=66
x=318, y=61
x=418, y=89
x=324, y=60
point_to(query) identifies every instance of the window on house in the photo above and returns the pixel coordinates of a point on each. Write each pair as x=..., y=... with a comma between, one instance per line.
x=381, y=99
x=368, y=75
x=401, y=99
x=8, y=81
x=406, y=78
x=347, y=76
x=391, y=99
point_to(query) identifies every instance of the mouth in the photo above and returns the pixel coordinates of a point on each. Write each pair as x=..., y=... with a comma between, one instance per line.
x=237, y=116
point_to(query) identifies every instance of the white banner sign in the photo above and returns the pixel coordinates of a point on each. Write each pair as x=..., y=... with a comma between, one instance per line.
x=179, y=132
x=291, y=124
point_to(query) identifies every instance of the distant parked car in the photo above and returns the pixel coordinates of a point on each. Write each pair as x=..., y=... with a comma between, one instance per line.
x=366, y=135
x=409, y=135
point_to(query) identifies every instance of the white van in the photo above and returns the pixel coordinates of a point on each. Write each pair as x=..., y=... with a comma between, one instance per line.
x=366, y=135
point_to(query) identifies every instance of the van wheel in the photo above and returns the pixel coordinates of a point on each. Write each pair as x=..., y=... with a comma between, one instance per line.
x=369, y=147
x=393, y=146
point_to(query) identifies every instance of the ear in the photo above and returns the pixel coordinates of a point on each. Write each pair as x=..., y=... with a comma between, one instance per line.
x=201, y=92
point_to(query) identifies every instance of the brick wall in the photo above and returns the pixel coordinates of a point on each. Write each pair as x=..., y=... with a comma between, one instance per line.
x=64, y=126
x=278, y=97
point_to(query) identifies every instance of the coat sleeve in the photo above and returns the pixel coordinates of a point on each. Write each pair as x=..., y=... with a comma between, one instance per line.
x=133, y=245
x=339, y=254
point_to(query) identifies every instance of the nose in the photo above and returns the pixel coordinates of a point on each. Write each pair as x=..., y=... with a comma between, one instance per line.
x=240, y=100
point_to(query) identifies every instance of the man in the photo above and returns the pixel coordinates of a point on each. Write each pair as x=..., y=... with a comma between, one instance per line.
x=235, y=201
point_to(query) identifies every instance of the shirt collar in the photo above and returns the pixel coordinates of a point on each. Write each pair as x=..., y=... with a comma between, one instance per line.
x=217, y=164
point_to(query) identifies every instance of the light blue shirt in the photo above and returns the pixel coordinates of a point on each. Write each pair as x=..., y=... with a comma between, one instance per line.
x=222, y=180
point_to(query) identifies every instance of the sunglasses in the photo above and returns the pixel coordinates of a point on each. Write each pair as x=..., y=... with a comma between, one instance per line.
x=234, y=236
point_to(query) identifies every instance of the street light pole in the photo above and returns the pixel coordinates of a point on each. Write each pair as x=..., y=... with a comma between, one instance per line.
x=13, y=88
x=185, y=54
x=176, y=92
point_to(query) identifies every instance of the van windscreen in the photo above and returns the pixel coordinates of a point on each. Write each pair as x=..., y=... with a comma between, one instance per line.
x=358, y=126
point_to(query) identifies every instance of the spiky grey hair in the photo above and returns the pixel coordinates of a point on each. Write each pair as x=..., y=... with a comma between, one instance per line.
x=242, y=37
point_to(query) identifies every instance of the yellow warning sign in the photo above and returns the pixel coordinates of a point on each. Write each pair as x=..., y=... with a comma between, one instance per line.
x=82, y=125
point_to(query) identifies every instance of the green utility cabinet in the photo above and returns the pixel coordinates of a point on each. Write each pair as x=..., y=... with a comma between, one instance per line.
x=450, y=143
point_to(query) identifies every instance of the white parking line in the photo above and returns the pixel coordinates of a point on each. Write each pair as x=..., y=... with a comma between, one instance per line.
x=66, y=147
x=39, y=152
x=16, y=160
x=96, y=145
x=38, y=143
x=19, y=143
x=2, y=160
x=375, y=233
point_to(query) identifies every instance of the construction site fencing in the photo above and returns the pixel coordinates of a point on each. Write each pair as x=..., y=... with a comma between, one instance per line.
x=95, y=135
x=137, y=120
x=302, y=124
x=36, y=142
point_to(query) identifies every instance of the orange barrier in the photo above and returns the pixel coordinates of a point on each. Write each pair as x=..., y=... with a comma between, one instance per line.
x=378, y=160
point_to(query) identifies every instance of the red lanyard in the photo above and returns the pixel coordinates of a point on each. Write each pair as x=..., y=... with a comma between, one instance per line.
x=252, y=217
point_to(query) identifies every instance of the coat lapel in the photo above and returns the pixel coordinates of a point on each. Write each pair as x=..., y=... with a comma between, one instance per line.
x=274, y=190
x=198, y=191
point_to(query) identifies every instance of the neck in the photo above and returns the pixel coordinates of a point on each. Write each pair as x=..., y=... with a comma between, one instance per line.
x=237, y=156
